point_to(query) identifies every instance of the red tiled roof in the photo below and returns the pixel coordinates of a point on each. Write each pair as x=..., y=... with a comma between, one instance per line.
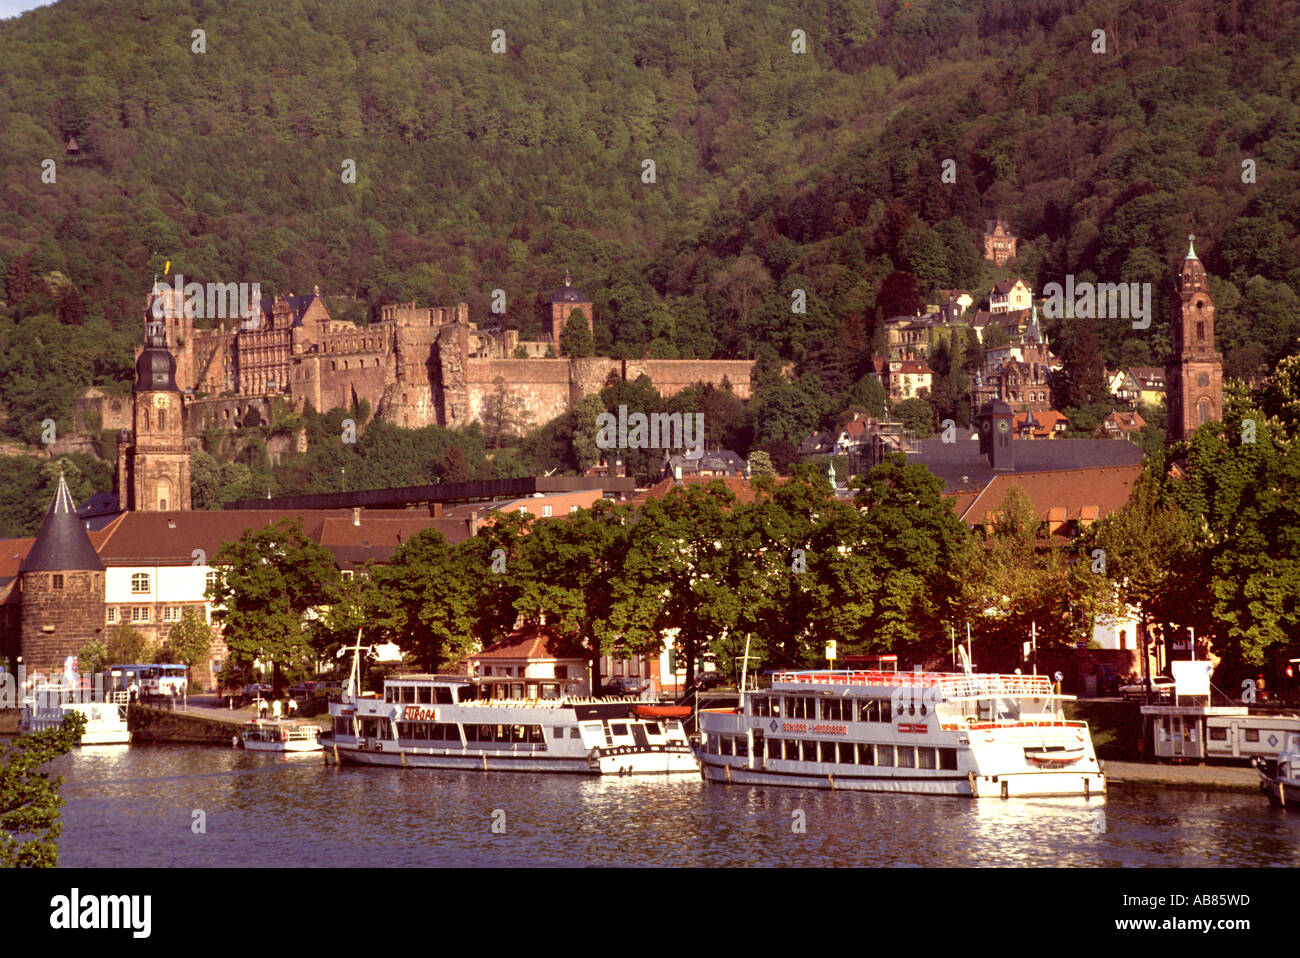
x=1082, y=493
x=530, y=642
x=738, y=485
x=914, y=367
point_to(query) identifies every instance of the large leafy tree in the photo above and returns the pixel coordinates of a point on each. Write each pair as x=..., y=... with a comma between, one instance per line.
x=190, y=640
x=29, y=797
x=269, y=582
x=566, y=567
x=680, y=574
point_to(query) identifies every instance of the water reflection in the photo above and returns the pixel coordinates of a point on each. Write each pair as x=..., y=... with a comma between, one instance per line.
x=135, y=806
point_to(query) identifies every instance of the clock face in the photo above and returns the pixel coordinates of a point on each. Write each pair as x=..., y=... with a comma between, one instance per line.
x=1003, y=425
x=160, y=401
x=1203, y=380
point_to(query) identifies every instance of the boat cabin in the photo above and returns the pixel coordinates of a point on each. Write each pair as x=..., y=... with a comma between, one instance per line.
x=530, y=663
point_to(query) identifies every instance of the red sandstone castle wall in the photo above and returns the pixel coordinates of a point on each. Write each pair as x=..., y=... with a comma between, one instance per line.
x=673, y=375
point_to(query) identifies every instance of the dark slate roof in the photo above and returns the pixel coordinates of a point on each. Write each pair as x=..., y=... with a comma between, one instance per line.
x=951, y=461
x=99, y=510
x=710, y=460
x=155, y=370
x=298, y=305
x=62, y=542
x=569, y=294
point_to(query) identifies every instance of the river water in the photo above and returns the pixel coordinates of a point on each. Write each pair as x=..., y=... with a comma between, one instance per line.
x=160, y=805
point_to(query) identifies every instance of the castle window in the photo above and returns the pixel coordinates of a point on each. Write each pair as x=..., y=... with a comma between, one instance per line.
x=56, y=580
x=112, y=614
x=139, y=613
x=1200, y=330
x=162, y=419
x=140, y=582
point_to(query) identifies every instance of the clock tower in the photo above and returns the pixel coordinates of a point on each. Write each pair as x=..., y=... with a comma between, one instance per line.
x=1194, y=371
x=154, y=465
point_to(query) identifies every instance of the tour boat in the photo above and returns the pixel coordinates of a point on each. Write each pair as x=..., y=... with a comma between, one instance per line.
x=975, y=735
x=1281, y=778
x=105, y=720
x=277, y=736
x=460, y=722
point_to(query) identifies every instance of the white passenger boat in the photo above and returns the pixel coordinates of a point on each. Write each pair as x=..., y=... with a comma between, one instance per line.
x=459, y=722
x=105, y=720
x=281, y=736
x=921, y=732
x=1281, y=778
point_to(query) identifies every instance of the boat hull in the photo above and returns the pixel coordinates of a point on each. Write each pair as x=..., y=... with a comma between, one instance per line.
x=615, y=762
x=1036, y=784
x=253, y=746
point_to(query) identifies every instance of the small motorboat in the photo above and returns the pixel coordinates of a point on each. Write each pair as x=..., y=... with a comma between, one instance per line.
x=274, y=736
x=1281, y=778
x=662, y=711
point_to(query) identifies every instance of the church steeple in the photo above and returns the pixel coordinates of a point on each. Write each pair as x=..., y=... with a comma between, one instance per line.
x=154, y=468
x=1194, y=371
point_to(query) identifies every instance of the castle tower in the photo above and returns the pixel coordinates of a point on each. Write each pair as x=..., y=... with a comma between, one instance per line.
x=563, y=302
x=1194, y=371
x=62, y=584
x=154, y=470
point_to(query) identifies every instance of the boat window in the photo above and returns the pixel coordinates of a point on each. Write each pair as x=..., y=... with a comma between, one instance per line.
x=848, y=753
x=831, y=709
x=618, y=728
x=828, y=751
x=792, y=750
x=1218, y=734
x=793, y=707
x=1252, y=735
x=758, y=706
x=442, y=695
x=517, y=690
x=652, y=728
x=550, y=690
x=885, y=711
x=343, y=726
x=925, y=758
x=425, y=695
x=885, y=755
x=868, y=710
x=471, y=733
x=866, y=753
x=389, y=694
x=809, y=751
x=948, y=759
x=774, y=701
x=906, y=756
x=742, y=746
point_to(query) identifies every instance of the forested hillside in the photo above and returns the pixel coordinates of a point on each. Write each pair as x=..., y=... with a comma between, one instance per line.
x=773, y=169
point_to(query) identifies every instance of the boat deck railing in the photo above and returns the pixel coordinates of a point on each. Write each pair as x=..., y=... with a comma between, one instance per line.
x=953, y=685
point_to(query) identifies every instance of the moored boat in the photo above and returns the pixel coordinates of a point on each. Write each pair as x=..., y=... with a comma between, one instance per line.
x=1281, y=778
x=105, y=719
x=932, y=733
x=458, y=722
x=281, y=736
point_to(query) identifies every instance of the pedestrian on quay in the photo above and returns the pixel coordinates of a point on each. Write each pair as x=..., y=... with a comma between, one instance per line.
x=275, y=709
x=135, y=692
x=292, y=707
x=261, y=707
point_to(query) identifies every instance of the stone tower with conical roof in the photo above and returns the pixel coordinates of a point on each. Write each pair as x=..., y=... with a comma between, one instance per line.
x=1194, y=370
x=62, y=586
x=154, y=467
x=564, y=301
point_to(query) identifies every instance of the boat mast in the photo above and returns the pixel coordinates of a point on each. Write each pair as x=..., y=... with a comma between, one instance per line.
x=744, y=669
x=354, y=676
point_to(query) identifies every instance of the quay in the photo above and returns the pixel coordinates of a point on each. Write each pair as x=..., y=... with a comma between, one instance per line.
x=1219, y=778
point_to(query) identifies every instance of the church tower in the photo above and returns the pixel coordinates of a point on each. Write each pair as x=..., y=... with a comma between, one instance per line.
x=62, y=583
x=1194, y=371
x=154, y=468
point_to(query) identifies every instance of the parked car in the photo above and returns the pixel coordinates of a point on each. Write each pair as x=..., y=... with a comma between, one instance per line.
x=253, y=691
x=1157, y=686
x=710, y=680
x=626, y=685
